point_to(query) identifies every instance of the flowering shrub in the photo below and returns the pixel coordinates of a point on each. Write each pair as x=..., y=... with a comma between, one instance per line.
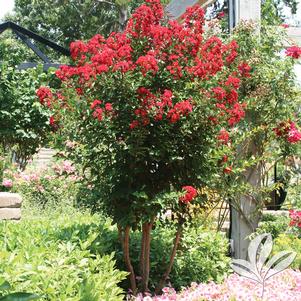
x=295, y=222
x=284, y=286
x=57, y=184
x=144, y=108
x=8, y=176
x=270, y=131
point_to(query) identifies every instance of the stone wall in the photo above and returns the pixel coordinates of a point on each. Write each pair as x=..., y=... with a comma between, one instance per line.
x=10, y=206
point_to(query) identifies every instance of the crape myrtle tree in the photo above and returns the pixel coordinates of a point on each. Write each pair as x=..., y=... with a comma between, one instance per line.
x=142, y=111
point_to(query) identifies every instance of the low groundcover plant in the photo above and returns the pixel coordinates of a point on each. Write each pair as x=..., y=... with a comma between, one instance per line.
x=284, y=286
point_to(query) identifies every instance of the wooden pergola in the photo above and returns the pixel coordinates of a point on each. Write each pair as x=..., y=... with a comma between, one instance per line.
x=29, y=38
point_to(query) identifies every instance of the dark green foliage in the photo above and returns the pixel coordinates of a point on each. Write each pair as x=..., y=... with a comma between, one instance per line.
x=202, y=254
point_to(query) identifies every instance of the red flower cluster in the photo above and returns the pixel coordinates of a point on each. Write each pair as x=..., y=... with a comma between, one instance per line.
x=98, y=111
x=227, y=170
x=294, y=52
x=45, y=96
x=294, y=135
x=289, y=131
x=158, y=107
x=221, y=15
x=223, y=136
x=148, y=63
x=190, y=194
x=52, y=121
x=295, y=217
x=153, y=48
x=180, y=109
x=244, y=70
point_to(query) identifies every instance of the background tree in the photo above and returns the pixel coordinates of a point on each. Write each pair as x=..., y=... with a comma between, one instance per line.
x=24, y=123
x=66, y=21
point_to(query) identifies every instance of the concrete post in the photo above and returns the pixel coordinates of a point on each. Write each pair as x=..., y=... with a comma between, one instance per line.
x=248, y=10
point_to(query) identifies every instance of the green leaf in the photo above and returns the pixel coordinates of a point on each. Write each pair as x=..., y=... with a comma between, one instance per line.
x=5, y=286
x=20, y=297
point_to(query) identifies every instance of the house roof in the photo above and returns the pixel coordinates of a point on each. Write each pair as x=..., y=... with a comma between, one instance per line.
x=177, y=8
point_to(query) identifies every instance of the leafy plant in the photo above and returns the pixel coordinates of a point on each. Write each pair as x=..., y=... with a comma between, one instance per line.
x=201, y=257
x=289, y=242
x=5, y=286
x=50, y=256
x=275, y=225
x=24, y=123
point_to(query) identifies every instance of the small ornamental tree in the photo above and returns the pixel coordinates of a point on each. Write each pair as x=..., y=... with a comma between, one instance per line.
x=143, y=110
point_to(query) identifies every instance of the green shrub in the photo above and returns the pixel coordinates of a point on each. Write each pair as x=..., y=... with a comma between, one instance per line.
x=64, y=257
x=275, y=225
x=50, y=257
x=289, y=242
x=201, y=257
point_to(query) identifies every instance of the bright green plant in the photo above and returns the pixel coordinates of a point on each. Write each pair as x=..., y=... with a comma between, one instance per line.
x=50, y=257
x=289, y=242
x=5, y=286
x=24, y=123
x=275, y=225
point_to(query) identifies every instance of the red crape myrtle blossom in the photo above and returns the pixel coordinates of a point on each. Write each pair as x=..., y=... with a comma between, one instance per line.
x=178, y=49
x=45, y=96
x=294, y=52
x=227, y=170
x=223, y=136
x=295, y=217
x=190, y=194
x=289, y=131
x=244, y=70
x=156, y=75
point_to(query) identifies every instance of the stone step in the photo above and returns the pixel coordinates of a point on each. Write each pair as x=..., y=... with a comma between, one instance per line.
x=43, y=157
x=10, y=200
x=10, y=213
x=276, y=212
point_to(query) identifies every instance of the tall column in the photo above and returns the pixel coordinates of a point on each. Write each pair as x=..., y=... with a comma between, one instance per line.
x=245, y=10
x=248, y=10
